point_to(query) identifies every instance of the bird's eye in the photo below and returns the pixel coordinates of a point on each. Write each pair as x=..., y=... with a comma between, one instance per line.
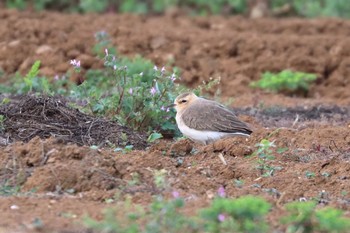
x=183, y=101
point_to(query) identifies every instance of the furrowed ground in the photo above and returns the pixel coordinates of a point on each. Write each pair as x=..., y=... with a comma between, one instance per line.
x=61, y=182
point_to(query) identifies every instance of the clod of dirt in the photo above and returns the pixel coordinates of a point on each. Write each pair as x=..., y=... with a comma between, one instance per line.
x=29, y=116
x=234, y=146
x=180, y=148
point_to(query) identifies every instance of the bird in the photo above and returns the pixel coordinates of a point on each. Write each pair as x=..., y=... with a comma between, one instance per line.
x=206, y=121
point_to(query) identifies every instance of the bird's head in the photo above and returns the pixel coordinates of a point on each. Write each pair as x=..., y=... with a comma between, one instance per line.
x=183, y=101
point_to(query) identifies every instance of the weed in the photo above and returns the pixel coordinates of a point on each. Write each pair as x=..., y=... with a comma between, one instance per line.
x=265, y=155
x=160, y=216
x=9, y=190
x=286, y=81
x=153, y=137
x=304, y=217
x=309, y=174
x=2, y=121
x=326, y=174
x=31, y=80
x=238, y=183
x=159, y=177
x=244, y=214
x=300, y=216
x=135, y=179
x=332, y=220
x=124, y=150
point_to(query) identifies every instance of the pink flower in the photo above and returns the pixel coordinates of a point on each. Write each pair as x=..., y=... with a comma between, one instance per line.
x=175, y=194
x=221, y=192
x=164, y=109
x=163, y=69
x=75, y=63
x=106, y=52
x=153, y=90
x=130, y=91
x=173, y=77
x=221, y=217
x=155, y=68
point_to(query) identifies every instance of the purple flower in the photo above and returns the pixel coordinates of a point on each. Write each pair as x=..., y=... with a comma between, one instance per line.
x=106, y=52
x=173, y=77
x=75, y=63
x=153, y=90
x=130, y=91
x=56, y=78
x=221, y=192
x=164, y=109
x=175, y=194
x=221, y=217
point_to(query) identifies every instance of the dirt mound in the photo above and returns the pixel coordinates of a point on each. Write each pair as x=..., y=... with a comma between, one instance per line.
x=29, y=116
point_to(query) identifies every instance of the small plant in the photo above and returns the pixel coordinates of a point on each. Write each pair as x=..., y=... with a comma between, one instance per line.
x=160, y=216
x=244, y=214
x=265, y=155
x=326, y=174
x=309, y=174
x=286, y=81
x=304, y=217
x=9, y=190
x=332, y=220
x=154, y=137
x=160, y=178
x=238, y=183
x=2, y=121
x=125, y=150
x=31, y=78
x=300, y=216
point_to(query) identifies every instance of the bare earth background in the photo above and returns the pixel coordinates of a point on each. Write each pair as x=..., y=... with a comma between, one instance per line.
x=236, y=49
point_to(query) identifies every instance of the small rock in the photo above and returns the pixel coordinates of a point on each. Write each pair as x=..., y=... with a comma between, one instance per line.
x=158, y=42
x=73, y=53
x=43, y=49
x=14, y=207
x=47, y=72
x=26, y=64
x=14, y=43
x=63, y=67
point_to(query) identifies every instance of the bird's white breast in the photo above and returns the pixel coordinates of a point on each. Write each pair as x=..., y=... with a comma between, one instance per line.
x=203, y=136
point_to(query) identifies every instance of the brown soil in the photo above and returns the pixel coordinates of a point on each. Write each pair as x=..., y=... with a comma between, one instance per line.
x=61, y=182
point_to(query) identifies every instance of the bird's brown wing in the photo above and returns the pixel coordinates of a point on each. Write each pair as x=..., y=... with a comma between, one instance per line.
x=209, y=115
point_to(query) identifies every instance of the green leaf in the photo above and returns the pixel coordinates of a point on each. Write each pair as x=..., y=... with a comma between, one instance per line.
x=154, y=136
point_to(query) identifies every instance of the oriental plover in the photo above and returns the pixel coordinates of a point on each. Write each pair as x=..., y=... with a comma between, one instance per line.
x=206, y=121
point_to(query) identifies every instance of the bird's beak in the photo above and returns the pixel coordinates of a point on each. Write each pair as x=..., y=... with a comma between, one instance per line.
x=171, y=106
